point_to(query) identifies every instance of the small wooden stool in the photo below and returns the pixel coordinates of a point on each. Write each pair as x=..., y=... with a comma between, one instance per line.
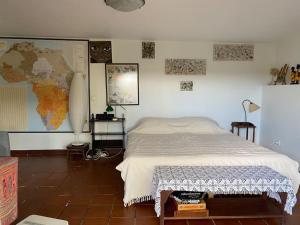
x=246, y=125
x=77, y=150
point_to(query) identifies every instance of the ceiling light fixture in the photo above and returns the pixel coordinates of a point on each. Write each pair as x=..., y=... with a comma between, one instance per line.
x=125, y=5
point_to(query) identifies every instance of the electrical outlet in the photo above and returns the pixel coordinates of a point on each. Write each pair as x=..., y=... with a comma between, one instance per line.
x=276, y=142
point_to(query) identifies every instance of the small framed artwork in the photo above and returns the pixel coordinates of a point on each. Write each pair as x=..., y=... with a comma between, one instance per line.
x=122, y=83
x=100, y=52
x=233, y=52
x=186, y=85
x=148, y=50
x=185, y=66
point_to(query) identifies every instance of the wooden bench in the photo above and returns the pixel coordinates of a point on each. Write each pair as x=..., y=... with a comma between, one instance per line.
x=253, y=180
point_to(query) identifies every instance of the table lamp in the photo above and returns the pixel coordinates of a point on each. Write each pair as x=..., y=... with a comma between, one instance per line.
x=252, y=107
x=115, y=117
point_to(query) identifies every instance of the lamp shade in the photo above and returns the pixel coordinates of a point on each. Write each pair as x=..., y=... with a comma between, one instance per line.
x=78, y=103
x=109, y=108
x=253, y=107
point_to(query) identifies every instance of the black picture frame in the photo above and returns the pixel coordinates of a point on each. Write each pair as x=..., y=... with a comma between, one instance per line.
x=119, y=66
x=100, y=52
x=88, y=75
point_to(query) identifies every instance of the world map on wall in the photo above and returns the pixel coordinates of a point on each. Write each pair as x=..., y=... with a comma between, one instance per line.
x=45, y=69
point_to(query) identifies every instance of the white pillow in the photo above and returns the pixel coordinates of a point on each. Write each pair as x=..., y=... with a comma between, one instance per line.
x=199, y=125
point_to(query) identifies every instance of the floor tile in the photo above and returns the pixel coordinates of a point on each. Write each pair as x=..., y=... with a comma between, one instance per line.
x=119, y=199
x=121, y=221
x=58, y=200
x=80, y=200
x=84, y=189
x=73, y=212
x=102, y=199
x=145, y=210
x=73, y=221
x=51, y=211
x=95, y=221
x=147, y=221
x=121, y=211
x=98, y=211
x=107, y=189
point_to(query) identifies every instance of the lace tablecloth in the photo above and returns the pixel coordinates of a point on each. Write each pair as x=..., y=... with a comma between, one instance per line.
x=223, y=180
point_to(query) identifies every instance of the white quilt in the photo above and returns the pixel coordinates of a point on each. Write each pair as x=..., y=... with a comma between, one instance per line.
x=145, y=151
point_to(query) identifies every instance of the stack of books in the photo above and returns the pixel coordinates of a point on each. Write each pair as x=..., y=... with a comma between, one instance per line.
x=189, y=204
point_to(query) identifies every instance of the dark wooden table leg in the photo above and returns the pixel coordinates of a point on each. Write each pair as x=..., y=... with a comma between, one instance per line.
x=283, y=219
x=164, y=195
x=247, y=133
x=253, y=138
x=238, y=133
x=283, y=197
x=83, y=154
x=264, y=195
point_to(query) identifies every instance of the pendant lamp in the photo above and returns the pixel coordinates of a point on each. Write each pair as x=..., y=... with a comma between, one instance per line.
x=125, y=5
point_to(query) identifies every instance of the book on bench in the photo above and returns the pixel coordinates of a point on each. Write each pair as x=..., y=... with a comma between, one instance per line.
x=191, y=213
x=191, y=206
x=185, y=201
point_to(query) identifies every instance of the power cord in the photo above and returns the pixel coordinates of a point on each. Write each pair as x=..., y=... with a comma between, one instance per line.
x=101, y=154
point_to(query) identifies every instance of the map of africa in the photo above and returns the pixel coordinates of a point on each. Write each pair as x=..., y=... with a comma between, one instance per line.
x=48, y=71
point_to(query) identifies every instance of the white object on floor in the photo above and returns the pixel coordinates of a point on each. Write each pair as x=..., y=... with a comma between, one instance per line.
x=42, y=220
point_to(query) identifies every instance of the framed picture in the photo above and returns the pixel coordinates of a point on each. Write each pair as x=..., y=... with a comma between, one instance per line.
x=35, y=79
x=233, y=52
x=185, y=66
x=186, y=85
x=148, y=50
x=122, y=83
x=100, y=52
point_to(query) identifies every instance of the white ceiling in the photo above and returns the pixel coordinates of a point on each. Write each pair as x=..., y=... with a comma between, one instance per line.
x=192, y=20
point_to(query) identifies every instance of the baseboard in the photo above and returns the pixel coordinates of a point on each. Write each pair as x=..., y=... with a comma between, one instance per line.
x=50, y=152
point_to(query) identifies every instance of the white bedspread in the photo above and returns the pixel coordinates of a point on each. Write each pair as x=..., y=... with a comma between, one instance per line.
x=145, y=151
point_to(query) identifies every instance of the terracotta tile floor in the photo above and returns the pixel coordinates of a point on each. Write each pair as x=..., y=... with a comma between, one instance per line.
x=90, y=193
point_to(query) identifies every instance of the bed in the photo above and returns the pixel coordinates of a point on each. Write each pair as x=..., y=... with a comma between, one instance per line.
x=192, y=141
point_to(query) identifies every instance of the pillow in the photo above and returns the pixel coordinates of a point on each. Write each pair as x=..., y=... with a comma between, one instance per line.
x=198, y=125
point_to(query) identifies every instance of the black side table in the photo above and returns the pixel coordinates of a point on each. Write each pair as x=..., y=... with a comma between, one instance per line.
x=77, y=150
x=244, y=125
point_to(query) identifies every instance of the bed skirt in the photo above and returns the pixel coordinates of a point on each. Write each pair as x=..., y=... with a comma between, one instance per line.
x=139, y=200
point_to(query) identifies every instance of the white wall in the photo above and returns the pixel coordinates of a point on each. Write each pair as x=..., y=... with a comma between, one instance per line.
x=281, y=119
x=281, y=106
x=217, y=95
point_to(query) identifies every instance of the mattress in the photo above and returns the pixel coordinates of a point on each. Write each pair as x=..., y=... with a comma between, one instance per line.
x=145, y=151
